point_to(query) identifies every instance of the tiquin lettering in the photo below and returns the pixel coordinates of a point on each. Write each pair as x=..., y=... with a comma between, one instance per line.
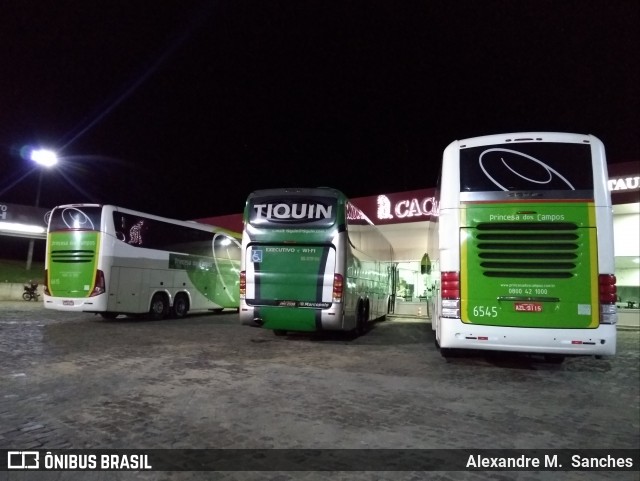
x=293, y=211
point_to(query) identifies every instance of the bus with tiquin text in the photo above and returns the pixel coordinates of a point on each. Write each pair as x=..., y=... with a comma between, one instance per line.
x=312, y=261
x=525, y=246
x=110, y=260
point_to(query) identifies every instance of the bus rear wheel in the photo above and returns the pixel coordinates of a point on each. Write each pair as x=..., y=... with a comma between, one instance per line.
x=554, y=358
x=361, y=319
x=180, y=306
x=159, y=307
x=446, y=352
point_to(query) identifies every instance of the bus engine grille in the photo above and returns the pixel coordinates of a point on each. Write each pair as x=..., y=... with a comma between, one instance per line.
x=528, y=250
x=72, y=256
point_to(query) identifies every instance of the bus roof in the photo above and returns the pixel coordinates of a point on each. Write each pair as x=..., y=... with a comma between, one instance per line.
x=306, y=191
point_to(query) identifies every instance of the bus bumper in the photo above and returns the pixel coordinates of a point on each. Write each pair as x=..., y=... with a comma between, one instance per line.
x=599, y=341
x=292, y=318
x=74, y=304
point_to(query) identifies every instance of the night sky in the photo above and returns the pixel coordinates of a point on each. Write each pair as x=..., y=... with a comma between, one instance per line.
x=182, y=108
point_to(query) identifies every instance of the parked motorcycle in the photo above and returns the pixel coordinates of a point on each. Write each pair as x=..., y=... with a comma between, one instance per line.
x=30, y=291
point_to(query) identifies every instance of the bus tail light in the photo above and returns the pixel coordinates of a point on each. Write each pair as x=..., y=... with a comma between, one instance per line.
x=99, y=286
x=338, y=287
x=46, y=283
x=608, y=296
x=450, y=285
x=243, y=284
x=608, y=290
x=450, y=293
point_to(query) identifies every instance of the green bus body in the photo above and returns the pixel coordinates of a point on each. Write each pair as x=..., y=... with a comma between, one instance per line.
x=524, y=246
x=529, y=265
x=111, y=260
x=72, y=262
x=317, y=272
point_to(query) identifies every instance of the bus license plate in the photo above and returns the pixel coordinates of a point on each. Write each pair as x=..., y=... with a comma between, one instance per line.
x=67, y=303
x=528, y=306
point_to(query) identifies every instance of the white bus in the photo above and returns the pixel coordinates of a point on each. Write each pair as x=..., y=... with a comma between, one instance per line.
x=111, y=260
x=525, y=250
x=312, y=261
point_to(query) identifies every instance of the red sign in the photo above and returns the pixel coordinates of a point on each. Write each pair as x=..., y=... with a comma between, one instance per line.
x=528, y=306
x=411, y=206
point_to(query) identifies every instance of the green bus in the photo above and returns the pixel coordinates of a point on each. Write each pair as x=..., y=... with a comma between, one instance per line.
x=312, y=261
x=524, y=246
x=110, y=260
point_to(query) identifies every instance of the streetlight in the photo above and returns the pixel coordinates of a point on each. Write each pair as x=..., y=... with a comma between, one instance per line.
x=47, y=159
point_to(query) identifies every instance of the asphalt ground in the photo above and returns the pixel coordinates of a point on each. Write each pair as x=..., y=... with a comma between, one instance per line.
x=75, y=381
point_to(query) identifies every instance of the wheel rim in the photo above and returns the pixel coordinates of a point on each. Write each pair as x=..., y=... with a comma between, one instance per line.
x=157, y=306
x=180, y=307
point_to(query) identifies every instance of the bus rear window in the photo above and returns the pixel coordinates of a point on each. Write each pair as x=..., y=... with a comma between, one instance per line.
x=526, y=167
x=80, y=218
x=292, y=211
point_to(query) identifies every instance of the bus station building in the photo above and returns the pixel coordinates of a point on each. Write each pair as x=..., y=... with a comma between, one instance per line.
x=405, y=218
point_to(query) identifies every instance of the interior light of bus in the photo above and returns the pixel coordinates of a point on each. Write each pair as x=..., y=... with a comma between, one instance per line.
x=46, y=283
x=338, y=287
x=450, y=285
x=99, y=286
x=243, y=284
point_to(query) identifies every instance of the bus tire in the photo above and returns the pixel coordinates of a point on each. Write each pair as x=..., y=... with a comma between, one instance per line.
x=446, y=352
x=180, y=306
x=361, y=320
x=159, y=307
x=554, y=358
x=109, y=315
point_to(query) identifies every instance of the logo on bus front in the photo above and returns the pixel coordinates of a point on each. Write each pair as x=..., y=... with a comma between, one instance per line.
x=290, y=211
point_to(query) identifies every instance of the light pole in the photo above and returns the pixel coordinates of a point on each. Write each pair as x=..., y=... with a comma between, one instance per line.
x=44, y=158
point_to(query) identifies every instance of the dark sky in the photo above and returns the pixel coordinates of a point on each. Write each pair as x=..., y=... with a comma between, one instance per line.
x=182, y=108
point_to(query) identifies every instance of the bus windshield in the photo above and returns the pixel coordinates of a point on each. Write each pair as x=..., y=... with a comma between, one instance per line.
x=526, y=166
x=293, y=211
x=80, y=218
